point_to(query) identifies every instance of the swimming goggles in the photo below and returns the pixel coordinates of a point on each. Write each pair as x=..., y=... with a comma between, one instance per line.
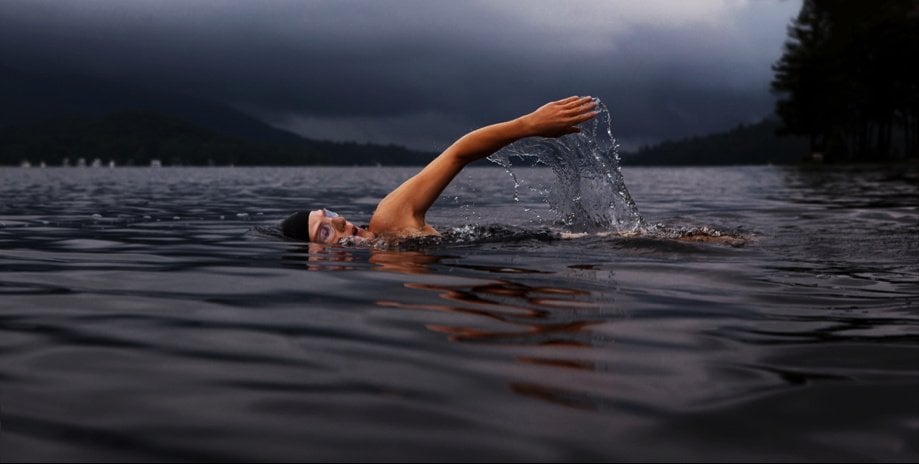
x=324, y=232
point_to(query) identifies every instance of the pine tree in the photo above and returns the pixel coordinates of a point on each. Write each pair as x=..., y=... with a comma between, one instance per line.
x=847, y=78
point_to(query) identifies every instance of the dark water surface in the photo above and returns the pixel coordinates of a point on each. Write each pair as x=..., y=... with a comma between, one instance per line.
x=147, y=315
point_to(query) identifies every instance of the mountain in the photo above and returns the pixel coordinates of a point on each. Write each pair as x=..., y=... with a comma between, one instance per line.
x=744, y=144
x=38, y=97
x=138, y=137
x=50, y=117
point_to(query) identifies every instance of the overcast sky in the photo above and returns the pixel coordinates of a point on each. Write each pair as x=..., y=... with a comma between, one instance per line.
x=421, y=73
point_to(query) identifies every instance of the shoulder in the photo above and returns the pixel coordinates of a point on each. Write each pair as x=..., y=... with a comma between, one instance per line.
x=395, y=218
x=403, y=231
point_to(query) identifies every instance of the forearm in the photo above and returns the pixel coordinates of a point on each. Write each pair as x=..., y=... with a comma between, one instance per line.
x=481, y=143
x=553, y=119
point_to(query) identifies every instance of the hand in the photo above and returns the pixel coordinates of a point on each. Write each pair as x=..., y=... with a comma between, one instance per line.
x=561, y=117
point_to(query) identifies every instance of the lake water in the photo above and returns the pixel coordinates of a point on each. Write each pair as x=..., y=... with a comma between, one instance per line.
x=152, y=315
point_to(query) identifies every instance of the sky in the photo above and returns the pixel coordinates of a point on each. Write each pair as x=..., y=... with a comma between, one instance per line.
x=422, y=73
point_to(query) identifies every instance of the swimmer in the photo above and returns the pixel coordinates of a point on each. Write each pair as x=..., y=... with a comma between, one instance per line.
x=402, y=213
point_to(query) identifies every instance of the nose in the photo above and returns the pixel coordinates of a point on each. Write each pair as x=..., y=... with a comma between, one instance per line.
x=339, y=223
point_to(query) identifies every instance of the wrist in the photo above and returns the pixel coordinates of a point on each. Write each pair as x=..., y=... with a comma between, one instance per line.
x=524, y=126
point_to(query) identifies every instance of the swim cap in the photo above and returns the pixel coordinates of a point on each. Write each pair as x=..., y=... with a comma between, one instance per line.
x=297, y=226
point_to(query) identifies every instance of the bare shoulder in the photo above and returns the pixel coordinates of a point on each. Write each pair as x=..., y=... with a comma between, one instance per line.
x=395, y=218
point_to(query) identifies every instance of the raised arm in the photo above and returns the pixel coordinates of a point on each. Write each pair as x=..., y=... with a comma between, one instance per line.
x=402, y=211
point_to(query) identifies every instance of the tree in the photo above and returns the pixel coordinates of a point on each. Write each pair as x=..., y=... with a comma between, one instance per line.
x=847, y=78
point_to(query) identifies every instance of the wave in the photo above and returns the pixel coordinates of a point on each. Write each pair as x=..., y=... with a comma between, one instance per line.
x=478, y=234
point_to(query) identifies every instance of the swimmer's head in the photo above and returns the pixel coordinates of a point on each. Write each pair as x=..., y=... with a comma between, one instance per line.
x=321, y=226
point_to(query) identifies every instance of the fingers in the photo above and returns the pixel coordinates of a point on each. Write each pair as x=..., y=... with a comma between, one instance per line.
x=582, y=105
x=580, y=111
x=567, y=100
x=583, y=111
x=573, y=105
x=584, y=116
x=560, y=117
x=573, y=102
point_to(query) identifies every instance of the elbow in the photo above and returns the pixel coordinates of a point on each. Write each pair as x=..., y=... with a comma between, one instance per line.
x=459, y=155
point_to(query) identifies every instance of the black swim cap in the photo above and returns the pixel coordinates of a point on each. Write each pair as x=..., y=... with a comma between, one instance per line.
x=297, y=226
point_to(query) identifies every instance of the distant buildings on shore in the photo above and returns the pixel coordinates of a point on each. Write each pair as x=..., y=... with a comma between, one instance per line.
x=81, y=163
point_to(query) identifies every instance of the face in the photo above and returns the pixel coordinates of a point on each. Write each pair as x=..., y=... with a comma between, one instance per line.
x=328, y=227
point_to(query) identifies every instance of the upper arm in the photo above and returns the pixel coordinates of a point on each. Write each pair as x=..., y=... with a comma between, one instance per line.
x=405, y=207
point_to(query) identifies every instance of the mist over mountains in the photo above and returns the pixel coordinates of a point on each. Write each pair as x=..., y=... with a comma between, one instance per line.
x=52, y=117
x=58, y=119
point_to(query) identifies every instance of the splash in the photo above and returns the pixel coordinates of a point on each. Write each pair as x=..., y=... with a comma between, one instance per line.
x=589, y=192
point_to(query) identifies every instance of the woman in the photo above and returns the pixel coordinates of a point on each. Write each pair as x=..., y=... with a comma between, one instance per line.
x=401, y=213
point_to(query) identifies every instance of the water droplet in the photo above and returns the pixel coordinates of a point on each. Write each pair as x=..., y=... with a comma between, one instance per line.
x=588, y=179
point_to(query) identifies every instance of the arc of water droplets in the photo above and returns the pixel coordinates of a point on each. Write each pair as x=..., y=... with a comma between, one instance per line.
x=589, y=192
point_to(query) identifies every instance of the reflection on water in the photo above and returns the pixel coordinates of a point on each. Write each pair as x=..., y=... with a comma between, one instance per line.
x=405, y=262
x=503, y=312
x=320, y=257
x=855, y=186
x=529, y=315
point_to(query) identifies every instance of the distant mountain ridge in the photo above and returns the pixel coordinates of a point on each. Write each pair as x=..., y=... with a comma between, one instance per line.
x=38, y=97
x=47, y=118
x=140, y=137
x=744, y=144
x=52, y=117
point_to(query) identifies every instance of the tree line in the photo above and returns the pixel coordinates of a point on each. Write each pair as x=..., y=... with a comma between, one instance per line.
x=848, y=81
x=744, y=144
x=139, y=137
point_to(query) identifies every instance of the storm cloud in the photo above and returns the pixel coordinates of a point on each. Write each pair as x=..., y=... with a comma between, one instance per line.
x=420, y=73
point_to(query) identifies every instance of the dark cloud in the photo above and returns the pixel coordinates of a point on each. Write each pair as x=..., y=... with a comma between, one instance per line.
x=420, y=72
